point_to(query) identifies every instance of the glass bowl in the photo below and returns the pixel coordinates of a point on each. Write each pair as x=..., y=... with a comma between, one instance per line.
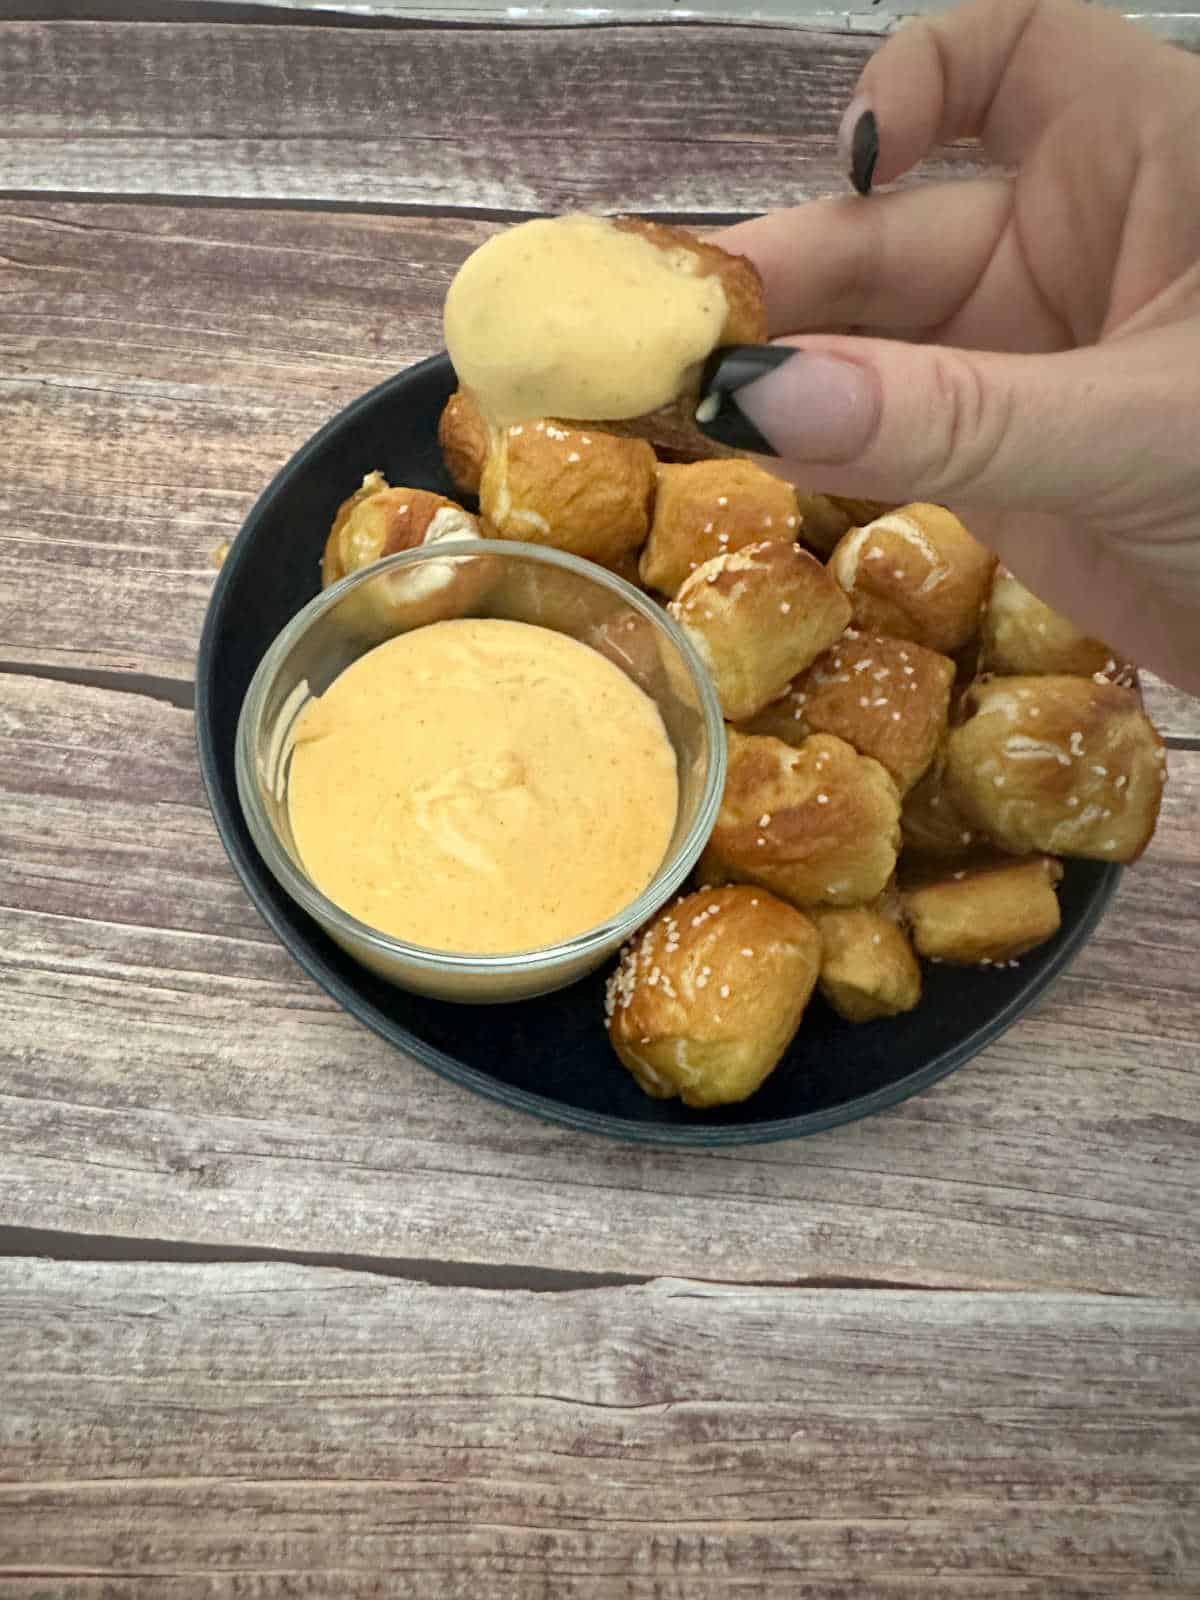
x=478, y=578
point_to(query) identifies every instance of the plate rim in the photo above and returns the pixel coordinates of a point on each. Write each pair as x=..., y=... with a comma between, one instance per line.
x=249, y=867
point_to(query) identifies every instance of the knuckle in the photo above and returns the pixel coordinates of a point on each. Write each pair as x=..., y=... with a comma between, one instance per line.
x=969, y=420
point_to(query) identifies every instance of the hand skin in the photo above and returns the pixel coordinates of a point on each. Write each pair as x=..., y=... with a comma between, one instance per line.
x=1025, y=349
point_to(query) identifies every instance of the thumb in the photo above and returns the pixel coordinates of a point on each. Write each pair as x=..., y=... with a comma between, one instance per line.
x=887, y=420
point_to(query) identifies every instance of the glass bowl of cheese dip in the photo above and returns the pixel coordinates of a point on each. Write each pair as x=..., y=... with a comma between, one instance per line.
x=480, y=767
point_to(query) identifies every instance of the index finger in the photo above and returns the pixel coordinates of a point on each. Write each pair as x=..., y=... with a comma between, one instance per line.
x=996, y=70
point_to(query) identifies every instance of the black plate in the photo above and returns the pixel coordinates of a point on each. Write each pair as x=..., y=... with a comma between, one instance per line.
x=550, y=1056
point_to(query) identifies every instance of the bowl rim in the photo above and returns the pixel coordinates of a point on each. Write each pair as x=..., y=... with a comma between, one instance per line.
x=596, y=940
x=312, y=960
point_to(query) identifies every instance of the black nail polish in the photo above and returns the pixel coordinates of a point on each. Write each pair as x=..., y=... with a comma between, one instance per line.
x=727, y=370
x=864, y=152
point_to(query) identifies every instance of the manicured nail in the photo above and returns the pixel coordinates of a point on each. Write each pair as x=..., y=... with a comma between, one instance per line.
x=727, y=370
x=779, y=401
x=858, y=140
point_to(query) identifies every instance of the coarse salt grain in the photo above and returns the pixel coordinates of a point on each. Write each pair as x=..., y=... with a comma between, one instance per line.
x=785, y=606
x=722, y=499
x=724, y=991
x=765, y=820
x=895, y=716
x=574, y=456
x=747, y=952
x=822, y=799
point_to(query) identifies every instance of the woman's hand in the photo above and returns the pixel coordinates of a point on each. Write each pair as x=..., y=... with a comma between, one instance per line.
x=1032, y=344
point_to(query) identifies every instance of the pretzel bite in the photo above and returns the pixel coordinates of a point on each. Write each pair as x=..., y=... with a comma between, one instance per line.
x=915, y=573
x=1022, y=635
x=673, y=427
x=868, y=968
x=930, y=822
x=745, y=308
x=986, y=914
x=889, y=698
x=711, y=508
x=573, y=488
x=463, y=437
x=756, y=618
x=1061, y=764
x=817, y=826
x=378, y=521
x=709, y=995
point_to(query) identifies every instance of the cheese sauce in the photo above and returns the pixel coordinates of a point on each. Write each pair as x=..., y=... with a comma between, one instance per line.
x=573, y=317
x=482, y=786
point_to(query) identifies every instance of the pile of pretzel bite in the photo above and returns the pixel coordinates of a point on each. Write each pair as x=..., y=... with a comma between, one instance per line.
x=914, y=739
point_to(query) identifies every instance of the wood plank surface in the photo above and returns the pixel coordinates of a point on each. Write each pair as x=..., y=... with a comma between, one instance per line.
x=234, y=1430
x=168, y=1073
x=157, y=366
x=529, y=120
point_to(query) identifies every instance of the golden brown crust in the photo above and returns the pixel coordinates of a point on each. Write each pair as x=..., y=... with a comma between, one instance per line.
x=817, y=826
x=868, y=968
x=1062, y=764
x=757, y=617
x=1021, y=635
x=889, y=698
x=708, y=996
x=463, y=437
x=710, y=508
x=915, y=573
x=985, y=915
x=377, y=521
x=930, y=822
x=575, y=488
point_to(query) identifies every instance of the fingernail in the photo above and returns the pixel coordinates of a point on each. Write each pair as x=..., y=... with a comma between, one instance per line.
x=858, y=140
x=728, y=369
x=779, y=401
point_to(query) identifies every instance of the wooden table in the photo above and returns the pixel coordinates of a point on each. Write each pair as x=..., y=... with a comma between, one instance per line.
x=281, y=1312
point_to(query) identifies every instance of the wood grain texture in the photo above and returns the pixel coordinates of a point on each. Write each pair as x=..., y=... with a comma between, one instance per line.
x=166, y=1072
x=157, y=366
x=527, y=120
x=199, y=1423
